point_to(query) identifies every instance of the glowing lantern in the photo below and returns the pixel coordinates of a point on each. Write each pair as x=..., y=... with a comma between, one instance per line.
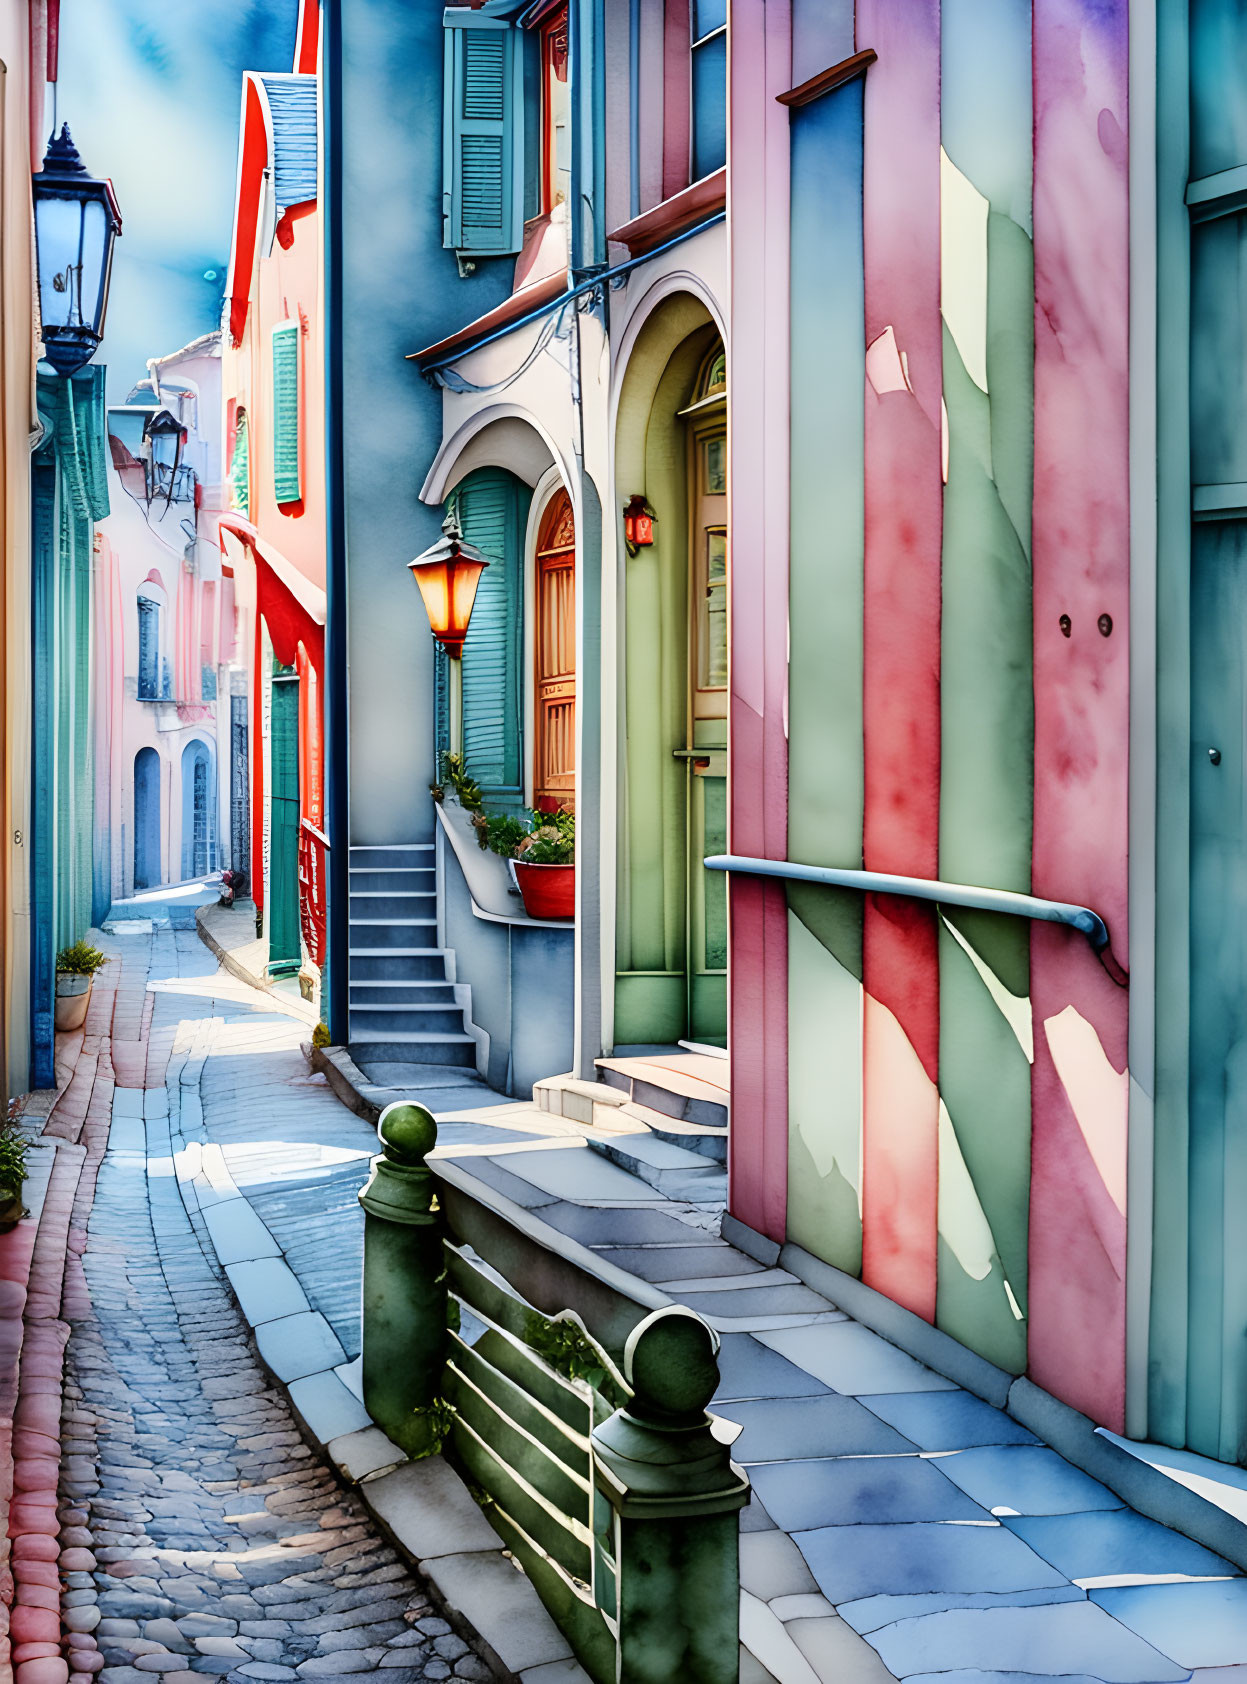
x=638, y=524
x=448, y=574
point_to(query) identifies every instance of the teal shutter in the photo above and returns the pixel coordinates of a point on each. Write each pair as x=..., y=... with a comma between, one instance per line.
x=491, y=504
x=286, y=483
x=240, y=469
x=483, y=145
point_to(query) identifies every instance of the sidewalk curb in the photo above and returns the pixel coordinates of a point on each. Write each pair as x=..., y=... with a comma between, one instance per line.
x=349, y=1082
x=424, y=1508
x=225, y=955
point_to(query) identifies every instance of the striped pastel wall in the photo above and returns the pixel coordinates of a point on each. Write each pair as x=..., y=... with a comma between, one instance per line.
x=957, y=1084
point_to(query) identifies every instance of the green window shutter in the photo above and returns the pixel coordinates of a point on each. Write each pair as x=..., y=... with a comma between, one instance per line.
x=240, y=469
x=286, y=483
x=490, y=512
x=482, y=136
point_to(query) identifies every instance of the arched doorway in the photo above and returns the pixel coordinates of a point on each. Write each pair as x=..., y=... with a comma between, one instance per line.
x=198, y=811
x=147, y=871
x=671, y=925
x=554, y=662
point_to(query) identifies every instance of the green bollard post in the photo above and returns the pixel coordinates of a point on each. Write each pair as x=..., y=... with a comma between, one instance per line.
x=675, y=1494
x=404, y=1307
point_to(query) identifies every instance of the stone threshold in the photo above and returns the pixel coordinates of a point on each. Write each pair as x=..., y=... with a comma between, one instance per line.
x=423, y=1507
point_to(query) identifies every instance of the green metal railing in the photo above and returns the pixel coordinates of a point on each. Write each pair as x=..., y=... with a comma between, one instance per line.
x=572, y=1397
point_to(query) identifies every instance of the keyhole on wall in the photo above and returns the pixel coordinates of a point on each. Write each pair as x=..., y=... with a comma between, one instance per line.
x=1066, y=625
x=1105, y=623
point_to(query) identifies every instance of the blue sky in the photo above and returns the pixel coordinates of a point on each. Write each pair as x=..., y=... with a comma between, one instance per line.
x=151, y=90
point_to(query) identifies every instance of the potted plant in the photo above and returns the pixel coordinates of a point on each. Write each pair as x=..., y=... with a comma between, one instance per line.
x=543, y=859
x=540, y=847
x=12, y=1174
x=75, y=972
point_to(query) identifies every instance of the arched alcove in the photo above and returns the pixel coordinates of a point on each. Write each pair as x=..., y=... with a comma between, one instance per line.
x=671, y=923
x=147, y=869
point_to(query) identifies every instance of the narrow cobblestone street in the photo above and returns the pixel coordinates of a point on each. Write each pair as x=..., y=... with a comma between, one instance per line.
x=203, y=1536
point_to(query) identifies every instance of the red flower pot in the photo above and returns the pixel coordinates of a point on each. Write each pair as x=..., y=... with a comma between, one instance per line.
x=549, y=891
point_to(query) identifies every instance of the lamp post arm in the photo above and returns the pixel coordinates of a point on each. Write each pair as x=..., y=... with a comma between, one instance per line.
x=454, y=667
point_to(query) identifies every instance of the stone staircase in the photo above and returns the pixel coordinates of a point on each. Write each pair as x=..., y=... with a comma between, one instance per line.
x=659, y=1120
x=403, y=1006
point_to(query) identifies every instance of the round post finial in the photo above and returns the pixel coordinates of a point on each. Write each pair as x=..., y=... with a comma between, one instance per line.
x=408, y=1133
x=670, y=1361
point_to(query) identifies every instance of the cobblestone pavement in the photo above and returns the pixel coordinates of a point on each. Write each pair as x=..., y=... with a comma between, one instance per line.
x=203, y=1536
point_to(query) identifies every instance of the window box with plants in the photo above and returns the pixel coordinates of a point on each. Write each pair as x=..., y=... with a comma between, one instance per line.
x=538, y=848
x=75, y=975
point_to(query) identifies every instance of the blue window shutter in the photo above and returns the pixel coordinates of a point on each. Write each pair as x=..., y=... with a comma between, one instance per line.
x=286, y=484
x=491, y=504
x=483, y=142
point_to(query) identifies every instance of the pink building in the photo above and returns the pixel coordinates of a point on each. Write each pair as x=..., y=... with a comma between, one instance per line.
x=166, y=651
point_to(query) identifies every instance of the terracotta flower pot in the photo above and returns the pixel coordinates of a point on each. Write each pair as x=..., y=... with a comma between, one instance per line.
x=73, y=996
x=549, y=891
x=11, y=1208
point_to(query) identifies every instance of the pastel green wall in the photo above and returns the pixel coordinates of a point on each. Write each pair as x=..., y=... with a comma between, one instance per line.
x=986, y=710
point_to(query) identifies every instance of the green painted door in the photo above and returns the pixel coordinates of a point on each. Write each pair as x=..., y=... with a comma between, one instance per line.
x=284, y=950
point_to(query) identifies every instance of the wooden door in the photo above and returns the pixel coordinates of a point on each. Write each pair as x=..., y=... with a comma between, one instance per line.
x=554, y=762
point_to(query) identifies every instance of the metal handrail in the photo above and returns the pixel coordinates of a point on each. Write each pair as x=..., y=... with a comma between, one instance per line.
x=925, y=888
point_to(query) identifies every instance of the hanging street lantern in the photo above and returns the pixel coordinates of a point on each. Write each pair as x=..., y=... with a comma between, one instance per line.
x=448, y=573
x=76, y=223
x=163, y=440
x=638, y=524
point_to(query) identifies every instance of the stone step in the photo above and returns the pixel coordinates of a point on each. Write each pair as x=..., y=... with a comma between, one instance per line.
x=399, y=880
x=414, y=1048
x=591, y=1103
x=708, y=1140
x=671, y=1170
x=391, y=856
x=371, y=905
x=400, y=991
x=393, y=932
x=397, y=964
x=670, y=1091
x=369, y=1021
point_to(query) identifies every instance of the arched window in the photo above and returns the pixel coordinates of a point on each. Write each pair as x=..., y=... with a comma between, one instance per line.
x=149, y=649
x=155, y=678
x=707, y=417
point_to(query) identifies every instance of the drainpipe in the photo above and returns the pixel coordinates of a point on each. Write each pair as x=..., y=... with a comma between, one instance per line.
x=336, y=698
